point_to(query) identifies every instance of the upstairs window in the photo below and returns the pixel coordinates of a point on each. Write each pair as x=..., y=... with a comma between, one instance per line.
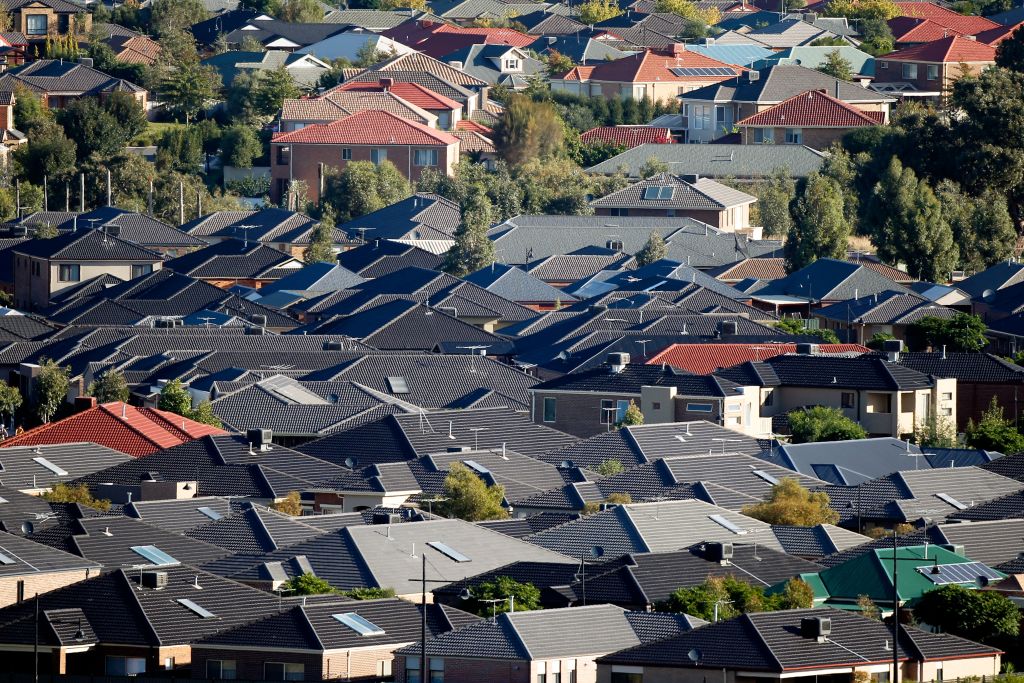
x=933, y=72
x=910, y=72
x=764, y=136
x=425, y=157
x=794, y=136
x=36, y=25
x=284, y=155
x=70, y=272
x=378, y=156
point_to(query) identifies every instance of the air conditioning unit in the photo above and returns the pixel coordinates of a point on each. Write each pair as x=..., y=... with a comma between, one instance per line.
x=818, y=628
x=258, y=319
x=154, y=579
x=728, y=327
x=260, y=438
x=719, y=552
x=958, y=549
x=386, y=518
x=334, y=345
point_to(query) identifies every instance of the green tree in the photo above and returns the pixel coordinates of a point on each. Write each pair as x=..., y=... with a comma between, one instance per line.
x=203, y=412
x=321, y=241
x=984, y=616
x=175, y=398
x=109, y=387
x=469, y=498
x=10, y=400
x=982, y=226
x=795, y=326
x=240, y=146
x=92, y=128
x=557, y=63
x=820, y=423
x=840, y=167
x=50, y=154
x=790, y=503
x=609, y=467
x=309, y=584
x=362, y=188
x=291, y=504
x=300, y=11
x=652, y=167
x=50, y=390
x=595, y=11
x=473, y=249
x=654, y=249
x=272, y=89
x=819, y=227
x=1010, y=52
x=935, y=432
x=868, y=608
x=632, y=417
x=370, y=593
x=528, y=130
x=796, y=594
x=774, y=202
x=993, y=432
x=188, y=88
x=70, y=493
x=526, y=596
x=962, y=332
x=837, y=66
x=167, y=16
x=129, y=114
x=44, y=231
x=29, y=112
x=733, y=597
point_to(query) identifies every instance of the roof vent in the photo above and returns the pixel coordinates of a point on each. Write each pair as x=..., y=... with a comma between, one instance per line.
x=334, y=345
x=893, y=348
x=805, y=349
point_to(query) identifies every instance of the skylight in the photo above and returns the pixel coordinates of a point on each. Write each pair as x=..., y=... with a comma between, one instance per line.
x=476, y=467
x=6, y=559
x=726, y=524
x=448, y=551
x=50, y=466
x=767, y=477
x=154, y=555
x=3, y=500
x=962, y=572
x=659, y=192
x=363, y=627
x=398, y=385
x=210, y=512
x=198, y=609
x=945, y=497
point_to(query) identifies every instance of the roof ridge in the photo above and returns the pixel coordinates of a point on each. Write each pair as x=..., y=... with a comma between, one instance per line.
x=633, y=526
x=126, y=584
x=519, y=637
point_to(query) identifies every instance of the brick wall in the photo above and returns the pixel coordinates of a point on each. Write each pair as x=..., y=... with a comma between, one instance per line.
x=461, y=670
x=249, y=664
x=577, y=414
x=359, y=663
x=39, y=583
x=816, y=138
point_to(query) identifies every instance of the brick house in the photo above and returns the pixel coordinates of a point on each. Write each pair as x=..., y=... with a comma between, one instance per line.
x=373, y=135
x=814, y=118
x=932, y=67
x=58, y=82
x=37, y=19
x=35, y=568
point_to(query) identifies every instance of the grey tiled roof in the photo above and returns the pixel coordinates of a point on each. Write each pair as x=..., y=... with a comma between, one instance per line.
x=702, y=194
x=832, y=280
x=87, y=245
x=20, y=471
x=176, y=515
x=718, y=160
x=420, y=216
x=233, y=259
x=137, y=228
x=31, y=558
x=50, y=75
x=888, y=308
x=780, y=82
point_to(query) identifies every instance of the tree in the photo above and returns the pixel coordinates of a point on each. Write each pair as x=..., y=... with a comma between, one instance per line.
x=468, y=497
x=167, y=16
x=993, y=432
x=962, y=332
x=654, y=249
x=50, y=154
x=29, y=112
x=1010, y=52
x=129, y=114
x=837, y=66
x=609, y=467
x=68, y=493
x=290, y=504
x=362, y=188
x=984, y=616
x=528, y=130
x=595, y=11
x=526, y=596
x=188, y=88
x=652, y=167
x=868, y=608
x=175, y=398
x=982, y=226
x=473, y=249
x=774, y=202
x=240, y=146
x=690, y=11
x=795, y=326
x=935, y=432
x=272, y=89
x=820, y=423
x=321, y=242
x=203, y=413
x=791, y=504
x=796, y=594
x=51, y=389
x=632, y=417
x=370, y=593
x=727, y=597
x=109, y=387
x=309, y=584
x=863, y=9
x=10, y=400
x=819, y=227
x=300, y=11
x=44, y=231
x=558, y=63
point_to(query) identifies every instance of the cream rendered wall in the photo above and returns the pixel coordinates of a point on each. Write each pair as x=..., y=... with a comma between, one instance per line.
x=91, y=269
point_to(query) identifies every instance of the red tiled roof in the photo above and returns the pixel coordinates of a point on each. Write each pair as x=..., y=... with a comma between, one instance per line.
x=702, y=359
x=578, y=73
x=438, y=40
x=962, y=23
x=760, y=268
x=650, y=66
x=370, y=127
x=887, y=271
x=811, y=109
x=946, y=50
x=413, y=93
x=125, y=428
x=630, y=136
x=471, y=125
x=994, y=36
x=913, y=30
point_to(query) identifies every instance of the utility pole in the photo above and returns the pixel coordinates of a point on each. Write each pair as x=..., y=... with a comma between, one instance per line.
x=423, y=580
x=895, y=615
x=109, y=190
x=81, y=195
x=181, y=202
x=35, y=645
x=46, y=194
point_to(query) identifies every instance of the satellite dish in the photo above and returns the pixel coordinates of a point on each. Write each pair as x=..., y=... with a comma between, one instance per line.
x=983, y=581
x=465, y=594
x=566, y=464
x=694, y=655
x=27, y=527
x=597, y=551
x=351, y=463
x=988, y=294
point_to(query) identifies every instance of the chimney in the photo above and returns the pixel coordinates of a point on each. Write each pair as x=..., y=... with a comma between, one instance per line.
x=678, y=49
x=83, y=403
x=386, y=83
x=617, y=362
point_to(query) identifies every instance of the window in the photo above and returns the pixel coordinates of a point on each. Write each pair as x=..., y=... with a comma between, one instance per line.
x=947, y=396
x=444, y=120
x=425, y=157
x=284, y=671
x=384, y=668
x=764, y=136
x=168, y=663
x=719, y=115
x=883, y=65
x=346, y=154
x=849, y=399
x=620, y=212
x=933, y=72
x=511, y=65
x=880, y=677
x=378, y=156
x=699, y=407
x=436, y=670
x=223, y=669
x=656, y=405
x=125, y=666
x=700, y=116
x=70, y=272
x=21, y=590
x=36, y=25
x=946, y=412
x=659, y=192
x=140, y=269
x=910, y=71
x=412, y=670
x=284, y=155
x=768, y=398
x=794, y=136
x=542, y=678
x=550, y=409
x=613, y=411
x=622, y=677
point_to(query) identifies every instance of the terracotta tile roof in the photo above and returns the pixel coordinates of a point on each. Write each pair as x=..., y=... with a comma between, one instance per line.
x=650, y=66
x=134, y=49
x=994, y=36
x=703, y=359
x=630, y=136
x=125, y=428
x=946, y=50
x=413, y=93
x=913, y=30
x=438, y=39
x=894, y=274
x=471, y=141
x=312, y=109
x=962, y=23
x=811, y=109
x=578, y=73
x=469, y=124
x=417, y=61
x=758, y=268
x=371, y=127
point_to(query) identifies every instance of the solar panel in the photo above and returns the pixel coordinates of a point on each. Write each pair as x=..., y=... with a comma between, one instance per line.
x=723, y=522
x=448, y=551
x=964, y=572
x=702, y=71
x=363, y=627
x=210, y=512
x=154, y=555
x=951, y=500
x=198, y=609
x=50, y=466
x=6, y=559
x=658, y=192
x=398, y=385
x=767, y=477
x=476, y=467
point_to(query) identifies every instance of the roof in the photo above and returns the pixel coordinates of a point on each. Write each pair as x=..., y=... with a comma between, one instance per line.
x=269, y=224
x=650, y=66
x=628, y=136
x=517, y=285
x=965, y=24
x=887, y=308
x=119, y=426
x=702, y=194
x=28, y=558
x=953, y=49
x=831, y=280
x=718, y=160
x=369, y=127
x=813, y=109
x=706, y=358
x=779, y=82
x=411, y=92
x=419, y=216
x=178, y=515
x=865, y=372
x=137, y=228
x=814, y=57
x=58, y=76
x=22, y=470
x=634, y=376
x=85, y=244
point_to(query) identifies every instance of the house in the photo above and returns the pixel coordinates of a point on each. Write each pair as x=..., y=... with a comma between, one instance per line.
x=370, y=135
x=582, y=47
x=325, y=640
x=814, y=57
x=286, y=231
x=740, y=163
x=31, y=569
x=741, y=54
x=712, y=111
x=546, y=24
x=891, y=313
x=26, y=468
x=447, y=112
x=335, y=105
x=137, y=228
x=128, y=46
x=276, y=34
x=931, y=68
x=383, y=257
x=304, y=69
x=505, y=65
x=118, y=426
x=824, y=282
x=37, y=19
x=813, y=118
x=350, y=44
x=801, y=643
x=703, y=359
x=515, y=284
x=922, y=22
x=688, y=196
x=421, y=216
x=43, y=267
x=627, y=136
x=543, y=645
x=57, y=82
x=659, y=75
x=236, y=262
